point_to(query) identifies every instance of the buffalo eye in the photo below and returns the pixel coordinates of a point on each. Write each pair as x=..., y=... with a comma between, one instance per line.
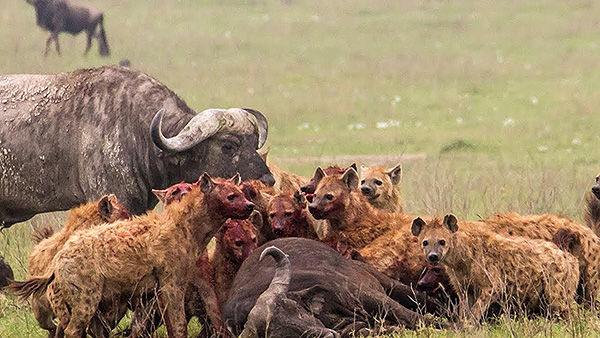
x=231, y=197
x=329, y=196
x=288, y=214
x=362, y=182
x=425, y=243
x=442, y=242
x=238, y=243
x=378, y=182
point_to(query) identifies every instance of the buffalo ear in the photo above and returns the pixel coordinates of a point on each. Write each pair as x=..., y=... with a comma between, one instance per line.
x=417, y=226
x=206, y=183
x=350, y=178
x=300, y=198
x=318, y=176
x=161, y=194
x=237, y=179
x=395, y=174
x=105, y=207
x=451, y=222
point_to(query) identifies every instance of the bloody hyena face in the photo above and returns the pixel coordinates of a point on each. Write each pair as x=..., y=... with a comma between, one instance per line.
x=332, y=194
x=596, y=188
x=378, y=181
x=173, y=193
x=434, y=278
x=111, y=209
x=239, y=238
x=309, y=188
x=226, y=197
x=435, y=237
x=287, y=215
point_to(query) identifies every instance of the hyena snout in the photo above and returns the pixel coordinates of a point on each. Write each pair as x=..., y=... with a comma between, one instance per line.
x=433, y=258
x=596, y=190
x=366, y=190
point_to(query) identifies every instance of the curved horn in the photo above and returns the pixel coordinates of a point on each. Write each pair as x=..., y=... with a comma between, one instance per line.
x=199, y=128
x=263, y=126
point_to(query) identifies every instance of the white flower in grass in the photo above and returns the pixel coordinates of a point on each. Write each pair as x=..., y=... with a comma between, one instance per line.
x=303, y=126
x=508, y=122
x=459, y=120
x=569, y=150
x=534, y=100
x=543, y=148
x=576, y=141
x=418, y=123
x=356, y=126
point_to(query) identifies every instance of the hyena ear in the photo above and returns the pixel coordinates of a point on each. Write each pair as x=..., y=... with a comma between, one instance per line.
x=395, y=174
x=237, y=179
x=300, y=198
x=353, y=166
x=350, y=178
x=105, y=207
x=417, y=226
x=363, y=169
x=265, y=154
x=451, y=222
x=318, y=176
x=256, y=219
x=206, y=183
x=161, y=194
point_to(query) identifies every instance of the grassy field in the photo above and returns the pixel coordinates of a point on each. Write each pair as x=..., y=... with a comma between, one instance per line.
x=500, y=96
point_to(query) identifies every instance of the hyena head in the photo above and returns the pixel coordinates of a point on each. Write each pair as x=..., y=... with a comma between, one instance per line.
x=111, y=210
x=225, y=196
x=310, y=187
x=436, y=238
x=379, y=182
x=332, y=194
x=238, y=238
x=287, y=215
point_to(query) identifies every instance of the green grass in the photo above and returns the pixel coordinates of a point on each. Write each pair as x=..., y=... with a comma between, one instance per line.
x=501, y=96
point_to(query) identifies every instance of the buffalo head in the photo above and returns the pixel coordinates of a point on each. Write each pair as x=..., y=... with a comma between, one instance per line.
x=221, y=142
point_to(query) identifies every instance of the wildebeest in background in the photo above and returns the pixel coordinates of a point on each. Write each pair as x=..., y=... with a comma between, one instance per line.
x=72, y=137
x=62, y=16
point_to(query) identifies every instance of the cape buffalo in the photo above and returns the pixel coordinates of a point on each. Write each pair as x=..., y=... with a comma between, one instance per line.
x=69, y=138
x=343, y=294
x=61, y=16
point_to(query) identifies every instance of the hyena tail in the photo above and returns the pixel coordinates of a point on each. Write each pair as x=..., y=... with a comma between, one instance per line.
x=25, y=289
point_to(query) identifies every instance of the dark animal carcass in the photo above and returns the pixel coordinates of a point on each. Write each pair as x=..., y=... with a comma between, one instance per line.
x=62, y=16
x=70, y=138
x=343, y=294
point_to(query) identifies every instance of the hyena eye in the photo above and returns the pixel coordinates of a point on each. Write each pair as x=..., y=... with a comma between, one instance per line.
x=253, y=239
x=442, y=242
x=329, y=196
x=425, y=243
x=378, y=182
x=272, y=215
x=238, y=243
x=231, y=197
x=288, y=214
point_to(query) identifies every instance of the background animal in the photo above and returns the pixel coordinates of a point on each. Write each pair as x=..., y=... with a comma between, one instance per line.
x=6, y=273
x=381, y=187
x=59, y=16
x=99, y=131
x=516, y=271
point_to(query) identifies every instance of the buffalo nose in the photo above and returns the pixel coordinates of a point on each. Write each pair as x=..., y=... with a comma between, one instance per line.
x=267, y=179
x=365, y=190
x=433, y=258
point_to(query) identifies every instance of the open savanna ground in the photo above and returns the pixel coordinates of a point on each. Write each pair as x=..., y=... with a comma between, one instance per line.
x=498, y=100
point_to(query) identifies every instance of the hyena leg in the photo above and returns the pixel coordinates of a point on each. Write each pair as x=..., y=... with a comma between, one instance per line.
x=84, y=305
x=487, y=296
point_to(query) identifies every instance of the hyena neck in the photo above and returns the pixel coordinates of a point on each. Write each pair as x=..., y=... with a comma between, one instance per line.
x=355, y=211
x=458, y=256
x=389, y=203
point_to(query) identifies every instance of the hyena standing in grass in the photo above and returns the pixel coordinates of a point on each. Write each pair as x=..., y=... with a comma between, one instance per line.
x=381, y=187
x=514, y=271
